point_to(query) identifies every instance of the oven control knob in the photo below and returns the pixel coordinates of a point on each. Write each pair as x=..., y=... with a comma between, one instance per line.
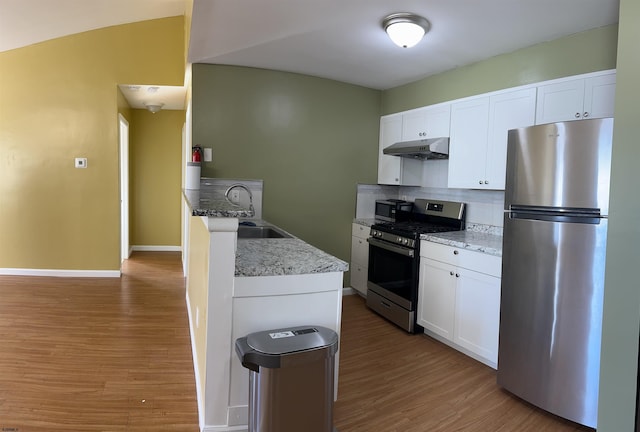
x=399, y=240
x=405, y=241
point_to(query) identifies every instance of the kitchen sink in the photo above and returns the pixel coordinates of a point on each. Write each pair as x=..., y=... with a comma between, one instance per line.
x=261, y=232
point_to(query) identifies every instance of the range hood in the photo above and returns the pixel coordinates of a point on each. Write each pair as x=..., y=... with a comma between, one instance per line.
x=431, y=148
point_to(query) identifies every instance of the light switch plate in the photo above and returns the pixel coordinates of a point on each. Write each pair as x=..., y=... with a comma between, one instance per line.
x=208, y=154
x=81, y=162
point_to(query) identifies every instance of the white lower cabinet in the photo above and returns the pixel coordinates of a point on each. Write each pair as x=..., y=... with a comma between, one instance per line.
x=359, y=258
x=477, y=313
x=459, y=299
x=437, y=297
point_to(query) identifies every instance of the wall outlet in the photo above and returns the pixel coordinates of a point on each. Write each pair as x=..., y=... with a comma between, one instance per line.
x=235, y=196
x=81, y=162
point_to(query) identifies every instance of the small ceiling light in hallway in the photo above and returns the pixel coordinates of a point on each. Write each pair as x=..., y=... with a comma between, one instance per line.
x=405, y=29
x=154, y=108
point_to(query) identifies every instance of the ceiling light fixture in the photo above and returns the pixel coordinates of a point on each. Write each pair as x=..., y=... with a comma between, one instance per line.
x=154, y=108
x=405, y=29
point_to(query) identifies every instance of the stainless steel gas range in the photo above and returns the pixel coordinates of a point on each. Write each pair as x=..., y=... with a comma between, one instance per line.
x=394, y=255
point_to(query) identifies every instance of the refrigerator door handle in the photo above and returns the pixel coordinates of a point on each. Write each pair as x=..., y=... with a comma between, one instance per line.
x=556, y=217
x=570, y=211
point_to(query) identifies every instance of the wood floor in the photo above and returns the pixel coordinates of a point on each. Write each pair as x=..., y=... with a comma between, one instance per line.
x=98, y=354
x=391, y=381
x=114, y=355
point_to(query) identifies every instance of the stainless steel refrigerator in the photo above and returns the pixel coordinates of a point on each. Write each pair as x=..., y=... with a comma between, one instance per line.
x=553, y=258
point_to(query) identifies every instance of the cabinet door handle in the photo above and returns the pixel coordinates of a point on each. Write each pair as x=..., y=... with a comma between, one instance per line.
x=457, y=275
x=585, y=115
x=480, y=182
x=455, y=252
x=577, y=115
x=451, y=273
x=486, y=182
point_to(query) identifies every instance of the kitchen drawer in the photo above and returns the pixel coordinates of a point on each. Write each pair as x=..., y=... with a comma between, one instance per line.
x=390, y=310
x=360, y=231
x=359, y=251
x=460, y=257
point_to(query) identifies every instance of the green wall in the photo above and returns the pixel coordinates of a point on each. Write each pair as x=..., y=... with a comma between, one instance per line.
x=622, y=288
x=589, y=51
x=311, y=140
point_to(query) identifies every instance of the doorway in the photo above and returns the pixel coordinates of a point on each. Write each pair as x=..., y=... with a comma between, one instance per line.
x=124, y=188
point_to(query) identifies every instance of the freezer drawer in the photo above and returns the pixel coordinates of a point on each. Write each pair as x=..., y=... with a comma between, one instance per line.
x=551, y=315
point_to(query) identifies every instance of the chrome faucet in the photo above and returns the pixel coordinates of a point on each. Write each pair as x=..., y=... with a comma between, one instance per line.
x=240, y=185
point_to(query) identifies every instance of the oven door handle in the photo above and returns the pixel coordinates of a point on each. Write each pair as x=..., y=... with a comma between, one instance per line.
x=390, y=247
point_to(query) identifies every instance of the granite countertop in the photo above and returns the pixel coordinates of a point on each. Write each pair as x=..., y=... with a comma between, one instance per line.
x=364, y=221
x=284, y=256
x=206, y=202
x=263, y=257
x=479, y=238
x=272, y=257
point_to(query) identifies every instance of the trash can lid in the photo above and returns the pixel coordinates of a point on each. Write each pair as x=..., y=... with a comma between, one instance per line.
x=292, y=339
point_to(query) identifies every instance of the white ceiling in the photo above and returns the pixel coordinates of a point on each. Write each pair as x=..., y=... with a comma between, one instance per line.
x=344, y=40
x=26, y=22
x=336, y=39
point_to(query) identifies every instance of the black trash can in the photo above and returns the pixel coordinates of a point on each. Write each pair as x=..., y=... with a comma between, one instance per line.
x=291, y=378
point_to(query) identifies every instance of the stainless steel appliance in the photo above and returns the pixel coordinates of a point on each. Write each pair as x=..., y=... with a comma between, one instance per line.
x=386, y=209
x=555, y=233
x=428, y=148
x=394, y=254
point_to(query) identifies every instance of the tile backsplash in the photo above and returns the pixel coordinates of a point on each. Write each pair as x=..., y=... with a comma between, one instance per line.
x=483, y=207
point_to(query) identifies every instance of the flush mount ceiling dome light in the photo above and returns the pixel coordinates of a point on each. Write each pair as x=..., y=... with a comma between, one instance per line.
x=405, y=29
x=154, y=108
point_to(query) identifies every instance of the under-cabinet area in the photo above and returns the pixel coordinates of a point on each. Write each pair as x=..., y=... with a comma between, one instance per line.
x=476, y=128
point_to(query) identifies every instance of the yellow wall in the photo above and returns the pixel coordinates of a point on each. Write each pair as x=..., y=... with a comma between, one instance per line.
x=197, y=290
x=58, y=101
x=155, y=165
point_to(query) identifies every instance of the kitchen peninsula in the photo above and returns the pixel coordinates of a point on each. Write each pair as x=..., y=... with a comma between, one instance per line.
x=239, y=286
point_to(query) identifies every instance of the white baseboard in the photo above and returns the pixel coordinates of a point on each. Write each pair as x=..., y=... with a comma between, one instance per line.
x=196, y=370
x=348, y=291
x=143, y=248
x=60, y=273
x=225, y=429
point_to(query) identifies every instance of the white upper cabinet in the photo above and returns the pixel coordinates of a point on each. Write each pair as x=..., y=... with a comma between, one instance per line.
x=478, y=151
x=599, y=96
x=507, y=111
x=430, y=122
x=468, y=143
x=576, y=99
x=389, y=166
x=478, y=126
